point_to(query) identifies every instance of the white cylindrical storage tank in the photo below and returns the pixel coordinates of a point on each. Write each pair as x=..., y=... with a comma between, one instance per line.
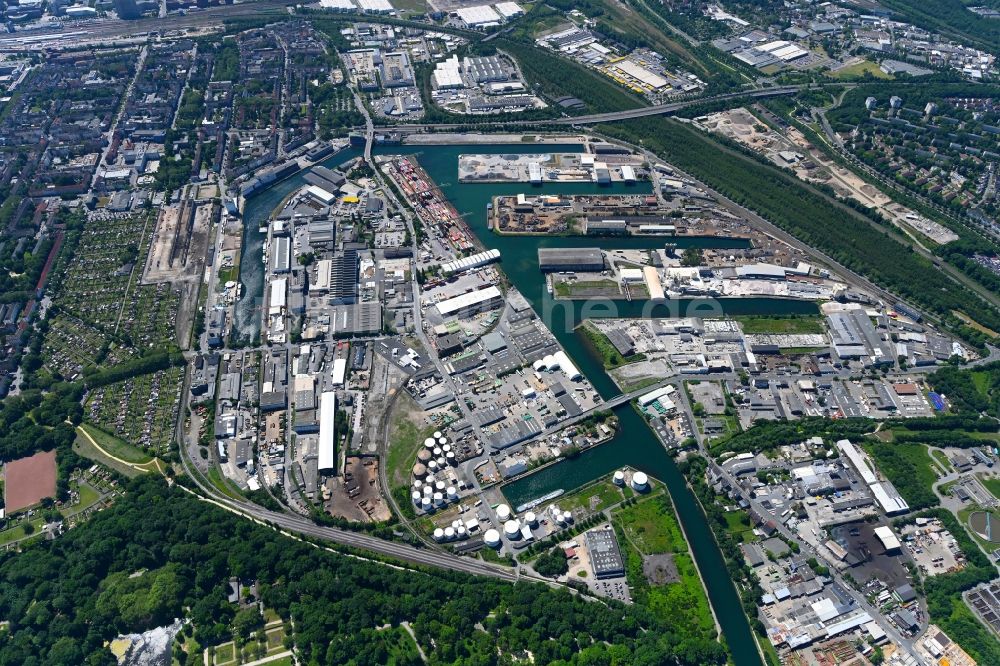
x=619, y=478
x=432, y=465
x=503, y=513
x=446, y=447
x=442, y=461
x=511, y=528
x=438, y=498
x=559, y=518
x=429, y=442
x=450, y=457
x=441, y=441
x=425, y=503
x=437, y=433
x=440, y=486
x=531, y=518
x=420, y=470
x=449, y=533
x=640, y=481
x=456, y=523
x=460, y=532
x=452, y=493
x=492, y=538
x=417, y=484
x=428, y=489
x=437, y=451
x=567, y=517
x=438, y=534
x=415, y=496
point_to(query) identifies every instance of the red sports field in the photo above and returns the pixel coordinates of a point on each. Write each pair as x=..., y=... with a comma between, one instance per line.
x=29, y=480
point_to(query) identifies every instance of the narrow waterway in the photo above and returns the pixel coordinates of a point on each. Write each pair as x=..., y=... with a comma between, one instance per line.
x=635, y=444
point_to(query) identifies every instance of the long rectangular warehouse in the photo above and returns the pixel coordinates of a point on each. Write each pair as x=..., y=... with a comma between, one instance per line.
x=584, y=259
x=470, y=262
x=281, y=255
x=327, y=416
x=470, y=303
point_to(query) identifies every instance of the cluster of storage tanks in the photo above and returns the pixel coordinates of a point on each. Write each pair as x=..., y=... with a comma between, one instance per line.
x=639, y=481
x=430, y=492
x=456, y=531
x=557, y=361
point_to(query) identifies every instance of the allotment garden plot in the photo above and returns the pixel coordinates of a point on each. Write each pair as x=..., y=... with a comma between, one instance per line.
x=141, y=410
x=101, y=284
x=72, y=345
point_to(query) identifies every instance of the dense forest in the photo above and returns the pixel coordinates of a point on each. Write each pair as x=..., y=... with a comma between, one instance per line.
x=66, y=597
x=813, y=218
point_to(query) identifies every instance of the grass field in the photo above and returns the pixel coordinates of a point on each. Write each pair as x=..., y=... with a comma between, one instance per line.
x=592, y=498
x=570, y=289
x=411, y=6
x=650, y=527
x=116, y=447
x=16, y=533
x=909, y=467
x=223, y=485
x=83, y=447
x=88, y=497
x=992, y=484
x=859, y=70
x=941, y=459
x=738, y=524
x=405, y=440
x=780, y=325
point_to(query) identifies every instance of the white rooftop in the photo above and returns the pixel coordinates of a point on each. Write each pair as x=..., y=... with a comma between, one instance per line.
x=478, y=15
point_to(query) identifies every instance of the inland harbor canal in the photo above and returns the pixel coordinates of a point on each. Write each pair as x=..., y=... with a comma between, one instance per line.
x=635, y=444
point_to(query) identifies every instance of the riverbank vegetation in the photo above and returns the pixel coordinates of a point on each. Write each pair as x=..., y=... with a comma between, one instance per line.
x=599, y=342
x=749, y=589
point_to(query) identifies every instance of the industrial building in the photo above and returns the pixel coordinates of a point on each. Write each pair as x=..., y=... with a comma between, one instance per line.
x=356, y=319
x=281, y=255
x=854, y=337
x=480, y=16
x=327, y=462
x=468, y=263
x=584, y=259
x=508, y=10
x=395, y=70
x=882, y=491
x=605, y=556
x=889, y=540
x=468, y=304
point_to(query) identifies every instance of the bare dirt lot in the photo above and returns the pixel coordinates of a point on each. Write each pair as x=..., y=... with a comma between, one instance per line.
x=356, y=496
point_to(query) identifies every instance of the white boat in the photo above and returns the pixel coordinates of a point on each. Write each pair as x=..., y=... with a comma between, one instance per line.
x=535, y=502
